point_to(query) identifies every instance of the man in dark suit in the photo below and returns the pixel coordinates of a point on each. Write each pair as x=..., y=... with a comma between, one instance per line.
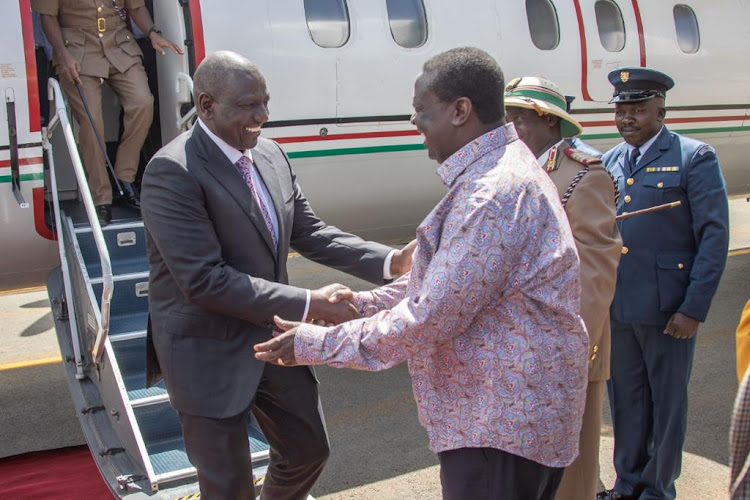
x=222, y=207
x=669, y=271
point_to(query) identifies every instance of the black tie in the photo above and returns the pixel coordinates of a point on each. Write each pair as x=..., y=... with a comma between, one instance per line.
x=633, y=159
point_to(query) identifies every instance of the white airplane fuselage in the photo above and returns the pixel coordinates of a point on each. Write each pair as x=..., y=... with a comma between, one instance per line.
x=341, y=113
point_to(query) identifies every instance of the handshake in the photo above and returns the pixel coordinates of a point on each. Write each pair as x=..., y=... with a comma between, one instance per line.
x=332, y=305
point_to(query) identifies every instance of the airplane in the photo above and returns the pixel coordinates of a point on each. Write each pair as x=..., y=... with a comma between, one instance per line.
x=341, y=75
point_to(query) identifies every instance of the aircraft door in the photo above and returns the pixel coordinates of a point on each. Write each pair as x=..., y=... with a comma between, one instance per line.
x=612, y=37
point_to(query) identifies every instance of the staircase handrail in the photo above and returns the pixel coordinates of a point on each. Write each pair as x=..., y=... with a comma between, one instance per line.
x=61, y=117
x=183, y=122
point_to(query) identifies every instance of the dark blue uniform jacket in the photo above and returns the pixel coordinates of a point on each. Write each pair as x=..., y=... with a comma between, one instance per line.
x=672, y=260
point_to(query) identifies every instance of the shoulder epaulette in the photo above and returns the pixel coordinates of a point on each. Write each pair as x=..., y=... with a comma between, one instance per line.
x=581, y=157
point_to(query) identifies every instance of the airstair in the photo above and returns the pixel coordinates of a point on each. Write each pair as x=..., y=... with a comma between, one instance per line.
x=99, y=297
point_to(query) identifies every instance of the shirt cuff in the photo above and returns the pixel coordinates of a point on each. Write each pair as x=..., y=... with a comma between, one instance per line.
x=308, y=344
x=307, y=307
x=387, y=266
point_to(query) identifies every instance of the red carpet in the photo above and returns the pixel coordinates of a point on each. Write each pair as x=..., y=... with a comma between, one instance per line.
x=64, y=474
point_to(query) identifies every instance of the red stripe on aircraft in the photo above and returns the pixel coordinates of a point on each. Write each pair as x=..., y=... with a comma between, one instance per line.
x=27, y=29
x=198, y=41
x=641, y=37
x=609, y=123
x=39, y=225
x=337, y=137
x=584, y=54
x=22, y=161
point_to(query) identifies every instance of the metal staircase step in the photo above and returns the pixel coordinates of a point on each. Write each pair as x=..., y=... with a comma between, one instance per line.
x=131, y=359
x=84, y=227
x=129, y=304
x=162, y=435
x=126, y=244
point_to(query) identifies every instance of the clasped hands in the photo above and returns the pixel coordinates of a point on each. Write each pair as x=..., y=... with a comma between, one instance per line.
x=329, y=306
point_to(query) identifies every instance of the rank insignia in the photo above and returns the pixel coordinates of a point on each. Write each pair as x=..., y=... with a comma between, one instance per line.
x=650, y=170
x=624, y=76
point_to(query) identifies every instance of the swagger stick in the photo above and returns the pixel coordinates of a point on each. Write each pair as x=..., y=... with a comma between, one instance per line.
x=649, y=210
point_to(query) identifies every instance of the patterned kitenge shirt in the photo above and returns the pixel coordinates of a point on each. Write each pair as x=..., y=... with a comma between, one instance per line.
x=487, y=319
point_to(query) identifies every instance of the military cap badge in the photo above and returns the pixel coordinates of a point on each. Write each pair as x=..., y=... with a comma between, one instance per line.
x=624, y=76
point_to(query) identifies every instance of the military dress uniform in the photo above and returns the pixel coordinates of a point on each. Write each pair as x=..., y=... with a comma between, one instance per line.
x=97, y=36
x=589, y=195
x=671, y=262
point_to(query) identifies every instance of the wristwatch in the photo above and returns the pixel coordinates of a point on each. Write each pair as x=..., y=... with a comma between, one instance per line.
x=153, y=29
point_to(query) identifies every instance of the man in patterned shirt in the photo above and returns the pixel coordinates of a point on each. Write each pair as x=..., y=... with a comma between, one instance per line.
x=487, y=319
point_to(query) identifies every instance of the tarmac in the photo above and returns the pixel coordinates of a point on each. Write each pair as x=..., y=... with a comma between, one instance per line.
x=379, y=450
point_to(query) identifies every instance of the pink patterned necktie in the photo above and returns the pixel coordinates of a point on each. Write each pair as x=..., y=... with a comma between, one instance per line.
x=245, y=166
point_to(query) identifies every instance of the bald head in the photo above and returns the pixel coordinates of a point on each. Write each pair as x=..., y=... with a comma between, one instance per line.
x=231, y=97
x=219, y=71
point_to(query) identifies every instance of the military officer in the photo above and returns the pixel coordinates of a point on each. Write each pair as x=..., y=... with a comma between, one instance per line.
x=669, y=271
x=91, y=41
x=537, y=109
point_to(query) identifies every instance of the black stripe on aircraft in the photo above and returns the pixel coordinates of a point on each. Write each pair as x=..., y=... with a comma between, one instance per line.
x=337, y=121
x=20, y=146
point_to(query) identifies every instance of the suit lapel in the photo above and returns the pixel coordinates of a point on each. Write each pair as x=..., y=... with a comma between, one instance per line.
x=657, y=149
x=226, y=174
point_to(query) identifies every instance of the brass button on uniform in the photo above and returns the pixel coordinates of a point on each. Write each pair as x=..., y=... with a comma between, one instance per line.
x=625, y=250
x=101, y=35
x=627, y=198
x=99, y=9
x=631, y=181
x=660, y=185
x=127, y=37
x=680, y=266
x=593, y=357
x=596, y=348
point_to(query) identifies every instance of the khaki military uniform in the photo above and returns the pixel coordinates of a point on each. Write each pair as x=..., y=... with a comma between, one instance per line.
x=589, y=195
x=98, y=38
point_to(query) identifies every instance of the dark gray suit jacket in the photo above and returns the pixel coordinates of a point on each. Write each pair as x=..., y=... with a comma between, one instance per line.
x=215, y=281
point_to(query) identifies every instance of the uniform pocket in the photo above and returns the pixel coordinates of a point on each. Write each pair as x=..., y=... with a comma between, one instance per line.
x=664, y=186
x=74, y=40
x=127, y=43
x=673, y=278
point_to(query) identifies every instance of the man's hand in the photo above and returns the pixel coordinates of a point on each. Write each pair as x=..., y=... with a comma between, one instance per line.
x=401, y=260
x=331, y=312
x=69, y=68
x=159, y=43
x=681, y=326
x=279, y=350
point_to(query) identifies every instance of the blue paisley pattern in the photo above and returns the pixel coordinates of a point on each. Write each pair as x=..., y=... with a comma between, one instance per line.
x=487, y=319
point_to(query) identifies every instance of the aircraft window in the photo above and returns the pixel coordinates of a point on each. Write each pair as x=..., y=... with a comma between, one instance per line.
x=610, y=24
x=543, y=26
x=688, y=36
x=408, y=22
x=328, y=22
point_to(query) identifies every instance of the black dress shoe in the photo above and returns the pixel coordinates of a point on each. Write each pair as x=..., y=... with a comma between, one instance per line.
x=104, y=213
x=131, y=194
x=611, y=495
